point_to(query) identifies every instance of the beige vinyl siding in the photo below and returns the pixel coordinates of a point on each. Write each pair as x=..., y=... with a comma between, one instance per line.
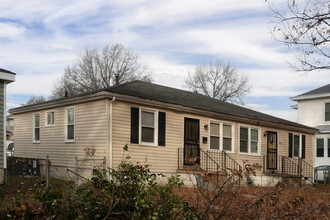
x=90, y=130
x=165, y=159
x=2, y=122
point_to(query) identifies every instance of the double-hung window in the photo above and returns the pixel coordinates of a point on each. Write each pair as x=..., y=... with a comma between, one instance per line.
x=227, y=137
x=244, y=139
x=148, y=126
x=70, y=124
x=50, y=118
x=36, y=128
x=221, y=136
x=254, y=141
x=327, y=111
x=214, y=136
x=320, y=147
x=249, y=140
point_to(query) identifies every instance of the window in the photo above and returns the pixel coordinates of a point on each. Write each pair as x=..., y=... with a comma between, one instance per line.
x=249, y=140
x=50, y=118
x=328, y=147
x=36, y=128
x=70, y=119
x=148, y=126
x=254, y=141
x=214, y=136
x=244, y=136
x=227, y=135
x=327, y=111
x=296, y=145
x=320, y=147
x=221, y=136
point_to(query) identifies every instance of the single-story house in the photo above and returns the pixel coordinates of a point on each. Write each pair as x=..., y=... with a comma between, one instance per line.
x=6, y=77
x=171, y=129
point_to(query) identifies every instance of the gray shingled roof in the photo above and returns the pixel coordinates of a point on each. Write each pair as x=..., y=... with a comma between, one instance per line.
x=166, y=94
x=6, y=71
x=180, y=97
x=320, y=90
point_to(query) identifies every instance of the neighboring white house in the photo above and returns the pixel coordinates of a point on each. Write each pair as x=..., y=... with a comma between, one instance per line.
x=314, y=110
x=6, y=77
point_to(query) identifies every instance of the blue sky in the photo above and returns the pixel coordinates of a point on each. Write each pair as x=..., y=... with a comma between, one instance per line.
x=38, y=39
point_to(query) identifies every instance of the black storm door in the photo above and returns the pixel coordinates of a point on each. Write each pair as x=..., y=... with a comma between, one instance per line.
x=271, y=150
x=191, y=141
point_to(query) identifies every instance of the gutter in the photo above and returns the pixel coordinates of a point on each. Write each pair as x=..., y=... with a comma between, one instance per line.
x=111, y=147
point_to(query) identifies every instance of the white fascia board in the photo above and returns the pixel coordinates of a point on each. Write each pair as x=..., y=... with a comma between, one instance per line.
x=8, y=77
x=304, y=97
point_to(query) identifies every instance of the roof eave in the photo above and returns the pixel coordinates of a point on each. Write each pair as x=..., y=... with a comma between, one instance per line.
x=59, y=103
x=174, y=107
x=314, y=96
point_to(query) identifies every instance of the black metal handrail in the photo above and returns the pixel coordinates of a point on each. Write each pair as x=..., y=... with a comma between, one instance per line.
x=208, y=163
x=289, y=166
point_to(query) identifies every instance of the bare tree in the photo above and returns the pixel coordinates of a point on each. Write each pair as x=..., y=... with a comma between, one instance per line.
x=36, y=99
x=305, y=26
x=219, y=81
x=96, y=69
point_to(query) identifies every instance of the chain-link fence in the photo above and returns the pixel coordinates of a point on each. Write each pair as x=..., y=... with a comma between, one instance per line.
x=29, y=171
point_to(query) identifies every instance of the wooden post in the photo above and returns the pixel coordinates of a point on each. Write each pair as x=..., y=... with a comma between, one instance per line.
x=47, y=172
x=76, y=171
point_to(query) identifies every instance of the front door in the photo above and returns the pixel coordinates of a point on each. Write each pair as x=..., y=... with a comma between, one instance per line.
x=191, y=141
x=271, y=150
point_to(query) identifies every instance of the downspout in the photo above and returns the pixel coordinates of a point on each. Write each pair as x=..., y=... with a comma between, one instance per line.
x=110, y=152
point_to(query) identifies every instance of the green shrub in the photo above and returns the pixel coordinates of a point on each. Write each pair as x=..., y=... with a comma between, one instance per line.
x=130, y=192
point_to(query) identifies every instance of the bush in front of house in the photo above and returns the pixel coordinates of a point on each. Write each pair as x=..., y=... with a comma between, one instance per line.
x=131, y=192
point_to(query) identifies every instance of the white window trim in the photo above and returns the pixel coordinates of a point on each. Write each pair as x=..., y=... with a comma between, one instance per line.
x=66, y=125
x=221, y=123
x=46, y=118
x=325, y=147
x=249, y=140
x=324, y=103
x=155, y=112
x=33, y=126
x=300, y=145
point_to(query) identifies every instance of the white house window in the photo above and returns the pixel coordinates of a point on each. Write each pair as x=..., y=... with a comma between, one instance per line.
x=70, y=120
x=320, y=147
x=214, y=136
x=254, y=140
x=249, y=140
x=327, y=111
x=36, y=128
x=227, y=137
x=244, y=139
x=50, y=118
x=148, y=126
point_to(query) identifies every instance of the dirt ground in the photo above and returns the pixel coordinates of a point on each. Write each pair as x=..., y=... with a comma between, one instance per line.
x=244, y=202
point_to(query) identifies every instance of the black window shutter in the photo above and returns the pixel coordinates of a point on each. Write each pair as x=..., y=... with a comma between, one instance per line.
x=303, y=147
x=290, y=144
x=134, y=125
x=161, y=128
